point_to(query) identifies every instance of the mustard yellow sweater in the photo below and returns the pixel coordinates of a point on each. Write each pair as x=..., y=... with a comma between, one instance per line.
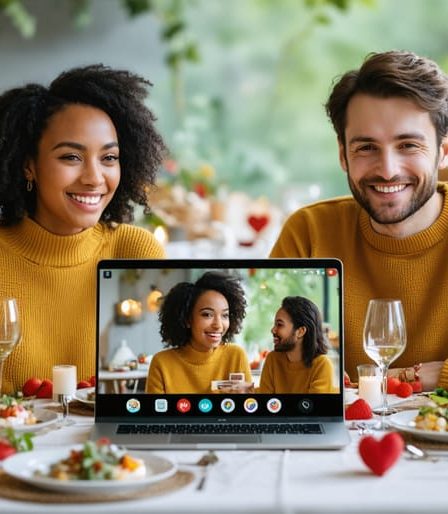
x=186, y=370
x=413, y=269
x=53, y=278
x=280, y=376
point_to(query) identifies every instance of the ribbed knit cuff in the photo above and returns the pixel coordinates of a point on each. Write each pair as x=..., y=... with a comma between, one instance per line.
x=443, y=377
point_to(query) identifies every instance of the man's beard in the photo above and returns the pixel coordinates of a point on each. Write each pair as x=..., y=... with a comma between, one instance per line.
x=286, y=345
x=418, y=199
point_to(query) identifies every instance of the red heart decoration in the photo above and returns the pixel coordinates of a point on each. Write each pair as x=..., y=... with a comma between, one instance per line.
x=380, y=455
x=258, y=222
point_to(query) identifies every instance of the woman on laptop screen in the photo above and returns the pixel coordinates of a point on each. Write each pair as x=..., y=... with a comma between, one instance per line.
x=198, y=321
x=74, y=158
x=299, y=363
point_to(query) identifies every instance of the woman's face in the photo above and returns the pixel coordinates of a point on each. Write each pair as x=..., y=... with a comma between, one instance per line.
x=209, y=321
x=76, y=171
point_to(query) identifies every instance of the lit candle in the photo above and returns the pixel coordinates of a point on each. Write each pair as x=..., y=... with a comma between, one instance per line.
x=161, y=235
x=369, y=389
x=64, y=380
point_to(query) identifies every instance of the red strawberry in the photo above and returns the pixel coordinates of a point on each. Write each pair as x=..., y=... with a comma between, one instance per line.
x=392, y=384
x=31, y=386
x=416, y=386
x=359, y=409
x=92, y=380
x=380, y=455
x=45, y=390
x=6, y=450
x=83, y=384
x=404, y=390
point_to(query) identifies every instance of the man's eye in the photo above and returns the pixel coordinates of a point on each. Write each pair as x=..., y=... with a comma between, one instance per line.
x=365, y=148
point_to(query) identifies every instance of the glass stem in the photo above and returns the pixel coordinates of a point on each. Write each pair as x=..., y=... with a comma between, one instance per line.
x=65, y=402
x=1, y=375
x=384, y=369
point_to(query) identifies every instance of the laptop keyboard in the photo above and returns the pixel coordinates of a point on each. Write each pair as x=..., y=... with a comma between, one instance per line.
x=219, y=428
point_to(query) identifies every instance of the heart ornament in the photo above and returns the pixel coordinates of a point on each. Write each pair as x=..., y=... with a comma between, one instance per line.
x=380, y=455
x=258, y=222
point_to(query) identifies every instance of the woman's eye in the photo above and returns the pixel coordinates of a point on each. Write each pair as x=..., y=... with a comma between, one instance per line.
x=70, y=157
x=111, y=158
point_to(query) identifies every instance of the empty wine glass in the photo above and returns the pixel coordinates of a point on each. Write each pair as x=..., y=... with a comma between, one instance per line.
x=384, y=341
x=9, y=330
x=64, y=389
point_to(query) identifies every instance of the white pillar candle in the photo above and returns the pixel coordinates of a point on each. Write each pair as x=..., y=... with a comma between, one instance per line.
x=369, y=389
x=64, y=380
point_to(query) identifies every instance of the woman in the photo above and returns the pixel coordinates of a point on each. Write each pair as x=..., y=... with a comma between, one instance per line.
x=198, y=320
x=74, y=157
x=299, y=363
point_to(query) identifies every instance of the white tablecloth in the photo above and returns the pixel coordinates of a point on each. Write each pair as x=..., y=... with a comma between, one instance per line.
x=274, y=482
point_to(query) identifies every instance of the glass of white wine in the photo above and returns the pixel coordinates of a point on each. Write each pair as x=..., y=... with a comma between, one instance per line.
x=9, y=330
x=384, y=341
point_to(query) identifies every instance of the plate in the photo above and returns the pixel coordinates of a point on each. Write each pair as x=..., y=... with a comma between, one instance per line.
x=23, y=466
x=82, y=395
x=405, y=421
x=44, y=417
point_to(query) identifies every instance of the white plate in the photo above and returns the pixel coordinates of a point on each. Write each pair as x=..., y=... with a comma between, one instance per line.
x=44, y=417
x=23, y=466
x=405, y=421
x=81, y=395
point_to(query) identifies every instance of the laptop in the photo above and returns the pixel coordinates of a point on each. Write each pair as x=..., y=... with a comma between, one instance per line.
x=232, y=409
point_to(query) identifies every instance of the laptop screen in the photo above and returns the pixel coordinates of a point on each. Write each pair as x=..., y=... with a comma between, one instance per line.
x=219, y=338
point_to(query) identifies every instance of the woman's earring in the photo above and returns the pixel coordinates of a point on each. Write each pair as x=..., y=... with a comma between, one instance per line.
x=29, y=185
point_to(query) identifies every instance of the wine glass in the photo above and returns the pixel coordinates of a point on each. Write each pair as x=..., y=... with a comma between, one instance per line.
x=64, y=389
x=9, y=330
x=384, y=341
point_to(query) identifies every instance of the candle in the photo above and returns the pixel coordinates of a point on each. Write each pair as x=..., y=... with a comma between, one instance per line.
x=161, y=235
x=64, y=380
x=369, y=389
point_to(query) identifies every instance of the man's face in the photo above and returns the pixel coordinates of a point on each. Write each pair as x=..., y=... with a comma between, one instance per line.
x=391, y=157
x=284, y=334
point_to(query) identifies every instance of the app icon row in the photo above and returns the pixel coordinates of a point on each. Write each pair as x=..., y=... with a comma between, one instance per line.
x=205, y=405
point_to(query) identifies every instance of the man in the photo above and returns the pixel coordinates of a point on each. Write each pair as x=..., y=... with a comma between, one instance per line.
x=391, y=121
x=299, y=362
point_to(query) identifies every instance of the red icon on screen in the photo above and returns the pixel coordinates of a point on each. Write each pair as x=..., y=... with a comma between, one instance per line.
x=183, y=405
x=332, y=272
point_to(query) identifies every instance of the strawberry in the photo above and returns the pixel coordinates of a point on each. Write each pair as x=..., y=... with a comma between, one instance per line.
x=6, y=450
x=359, y=409
x=31, y=386
x=46, y=389
x=416, y=386
x=404, y=390
x=83, y=384
x=392, y=384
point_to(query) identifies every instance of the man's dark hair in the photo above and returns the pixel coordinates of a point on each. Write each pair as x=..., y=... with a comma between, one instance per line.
x=393, y=74
x=304, y=313
x=178, y=304
x=25, y=113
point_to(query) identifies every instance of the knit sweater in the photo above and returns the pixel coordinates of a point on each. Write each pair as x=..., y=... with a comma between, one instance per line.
x=413, y=269
x=280, y=376
x=186, y=370
x=53, y=278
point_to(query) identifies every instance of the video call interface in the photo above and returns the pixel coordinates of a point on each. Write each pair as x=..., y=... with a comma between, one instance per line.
x=139, y=309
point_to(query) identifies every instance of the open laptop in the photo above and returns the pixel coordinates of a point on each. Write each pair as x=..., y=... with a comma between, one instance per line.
x=129, y=296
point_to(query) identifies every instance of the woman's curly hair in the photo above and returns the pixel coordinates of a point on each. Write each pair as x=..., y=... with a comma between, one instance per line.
x=305, y=313
x=178, y=304
x=25, y=113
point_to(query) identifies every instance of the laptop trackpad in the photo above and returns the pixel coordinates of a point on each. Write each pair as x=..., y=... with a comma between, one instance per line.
x=214, y=438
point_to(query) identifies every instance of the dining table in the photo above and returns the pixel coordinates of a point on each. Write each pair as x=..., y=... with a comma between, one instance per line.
x=254, y=481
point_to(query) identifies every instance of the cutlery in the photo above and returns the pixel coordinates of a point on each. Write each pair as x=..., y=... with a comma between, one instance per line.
x=206, y=460
x=416, y=453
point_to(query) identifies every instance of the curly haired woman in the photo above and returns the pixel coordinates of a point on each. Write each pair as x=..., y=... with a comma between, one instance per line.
x=198, y=320
x=74, y=158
